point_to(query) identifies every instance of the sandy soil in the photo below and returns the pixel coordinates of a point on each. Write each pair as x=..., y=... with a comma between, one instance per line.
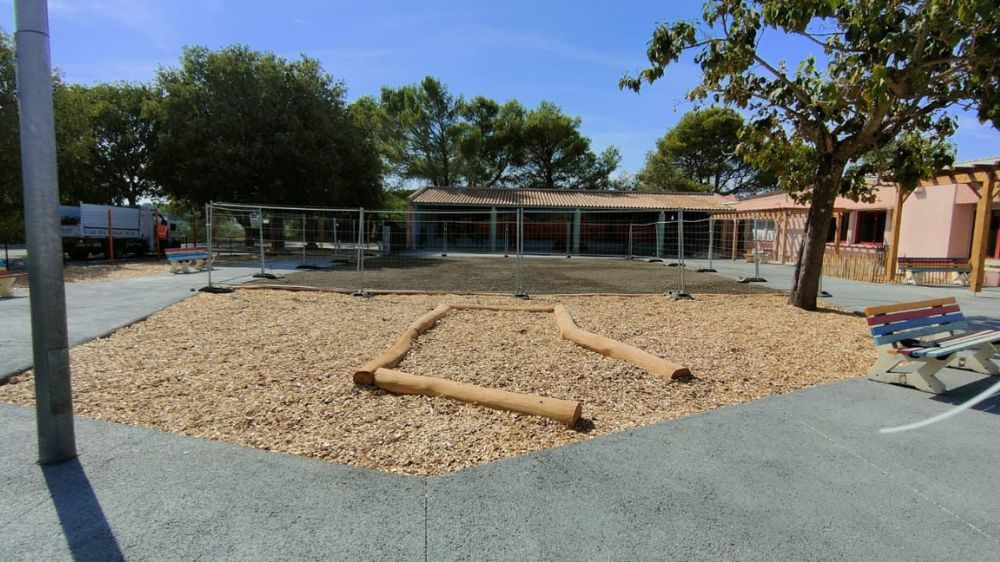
x=272, y=369
x=497, y=274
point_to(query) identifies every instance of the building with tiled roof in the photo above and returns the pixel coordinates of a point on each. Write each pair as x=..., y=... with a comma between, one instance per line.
x=608, y=223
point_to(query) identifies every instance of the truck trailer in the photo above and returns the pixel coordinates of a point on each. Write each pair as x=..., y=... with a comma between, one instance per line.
x=85, y=230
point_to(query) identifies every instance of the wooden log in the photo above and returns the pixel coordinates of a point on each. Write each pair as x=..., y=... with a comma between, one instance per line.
x=565, y=411
x=615, y=349
x=501, y=307
x=392, y=356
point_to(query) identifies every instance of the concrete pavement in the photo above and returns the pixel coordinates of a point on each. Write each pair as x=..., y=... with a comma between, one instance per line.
x=982, y=309
x=804, y=476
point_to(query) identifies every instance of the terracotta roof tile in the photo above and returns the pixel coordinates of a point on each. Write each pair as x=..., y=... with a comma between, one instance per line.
x=558, y=198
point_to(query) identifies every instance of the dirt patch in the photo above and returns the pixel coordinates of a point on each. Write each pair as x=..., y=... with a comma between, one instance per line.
x=542, y=275
x=272, y=369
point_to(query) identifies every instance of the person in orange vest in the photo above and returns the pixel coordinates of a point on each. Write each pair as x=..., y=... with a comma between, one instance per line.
x=163, y=235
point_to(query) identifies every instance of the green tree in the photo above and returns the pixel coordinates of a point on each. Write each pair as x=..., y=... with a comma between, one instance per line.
x=245, y=126
x=557, y=156
x=420, y=130
x=73, y=110
x=699, y=154
x=888, y=70
x=123, y=129
x=491, y=141
x=11, y=209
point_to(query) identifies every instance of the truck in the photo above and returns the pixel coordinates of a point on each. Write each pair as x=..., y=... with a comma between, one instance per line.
x=132, y=230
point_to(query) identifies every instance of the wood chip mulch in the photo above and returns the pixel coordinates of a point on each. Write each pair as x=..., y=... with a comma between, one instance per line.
x=272, y=369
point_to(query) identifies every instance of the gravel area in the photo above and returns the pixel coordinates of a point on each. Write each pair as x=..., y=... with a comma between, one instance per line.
x=272, y=369
x=542, y=275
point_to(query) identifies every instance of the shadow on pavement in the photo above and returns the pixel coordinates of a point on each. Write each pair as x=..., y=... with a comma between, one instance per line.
x=962, y=393
x=83, y=523
x=983, y=322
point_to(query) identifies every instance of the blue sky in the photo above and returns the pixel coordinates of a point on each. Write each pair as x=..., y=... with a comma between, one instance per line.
x=571, y=53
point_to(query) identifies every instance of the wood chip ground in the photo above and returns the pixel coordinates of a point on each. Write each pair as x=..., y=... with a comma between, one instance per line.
x=272, y=369
x=85, y=273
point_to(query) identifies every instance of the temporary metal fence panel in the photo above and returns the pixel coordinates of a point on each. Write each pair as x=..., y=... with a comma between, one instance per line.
x=440, y=251
x=511, y=251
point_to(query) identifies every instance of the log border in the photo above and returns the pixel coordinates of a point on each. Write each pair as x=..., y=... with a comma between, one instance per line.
x=566, y=411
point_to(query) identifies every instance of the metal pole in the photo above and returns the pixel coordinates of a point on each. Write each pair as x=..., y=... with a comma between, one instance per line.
x=519, y=274
x=756, y=251
x=49, y=338
x=711, y=236
x=303, y=238
x=629, y=241
x=680, y=250
x=260, y=231
x=156, y=233
x=444, y=241
x=208, y=239
x=111, y=241
x=569, y=239
x=361, y=251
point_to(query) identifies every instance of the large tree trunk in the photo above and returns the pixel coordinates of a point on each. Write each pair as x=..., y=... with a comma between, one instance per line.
x=809, y=266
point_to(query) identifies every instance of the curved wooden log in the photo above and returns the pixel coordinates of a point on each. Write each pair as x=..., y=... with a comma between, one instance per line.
x=615, y=349
x=392, y=356
x=565, y=411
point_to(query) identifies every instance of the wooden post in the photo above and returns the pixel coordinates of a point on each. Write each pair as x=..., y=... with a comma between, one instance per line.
x=736, y=228
x=783, y=250
x=897, y=222
x=980, y=236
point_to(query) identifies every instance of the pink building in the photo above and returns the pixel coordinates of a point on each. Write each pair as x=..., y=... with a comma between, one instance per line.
x=939, y=220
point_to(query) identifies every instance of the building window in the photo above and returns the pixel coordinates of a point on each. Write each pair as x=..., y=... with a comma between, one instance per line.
x=871, y=227
x=831, y=232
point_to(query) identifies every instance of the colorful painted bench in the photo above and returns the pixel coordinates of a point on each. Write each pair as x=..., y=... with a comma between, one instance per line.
x=914, y=269
x=187, y=260
x=929, y=334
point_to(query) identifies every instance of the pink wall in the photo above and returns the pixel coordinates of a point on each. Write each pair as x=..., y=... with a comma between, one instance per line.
x=962, y=224
x=927, y=223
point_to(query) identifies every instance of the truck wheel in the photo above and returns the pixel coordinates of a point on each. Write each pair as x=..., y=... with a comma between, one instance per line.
x=79, y=254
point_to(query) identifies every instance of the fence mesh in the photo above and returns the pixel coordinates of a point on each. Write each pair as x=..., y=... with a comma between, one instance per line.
x=512, y=251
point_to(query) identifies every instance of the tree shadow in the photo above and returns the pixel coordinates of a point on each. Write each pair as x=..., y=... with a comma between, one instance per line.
x=81, y=517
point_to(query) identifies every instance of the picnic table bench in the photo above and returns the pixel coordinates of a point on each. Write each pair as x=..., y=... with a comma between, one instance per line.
x=187, y=260
x=930, y=334
x=914, y=269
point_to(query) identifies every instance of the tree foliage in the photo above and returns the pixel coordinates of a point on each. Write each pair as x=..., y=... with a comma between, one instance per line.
x=423, y=122
x=11, y=210
x=699, y=154
x=123, y=123
x=491, y=142
x=557, y=156
x=887, y=71
x=427, y=134
x=242, y=125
